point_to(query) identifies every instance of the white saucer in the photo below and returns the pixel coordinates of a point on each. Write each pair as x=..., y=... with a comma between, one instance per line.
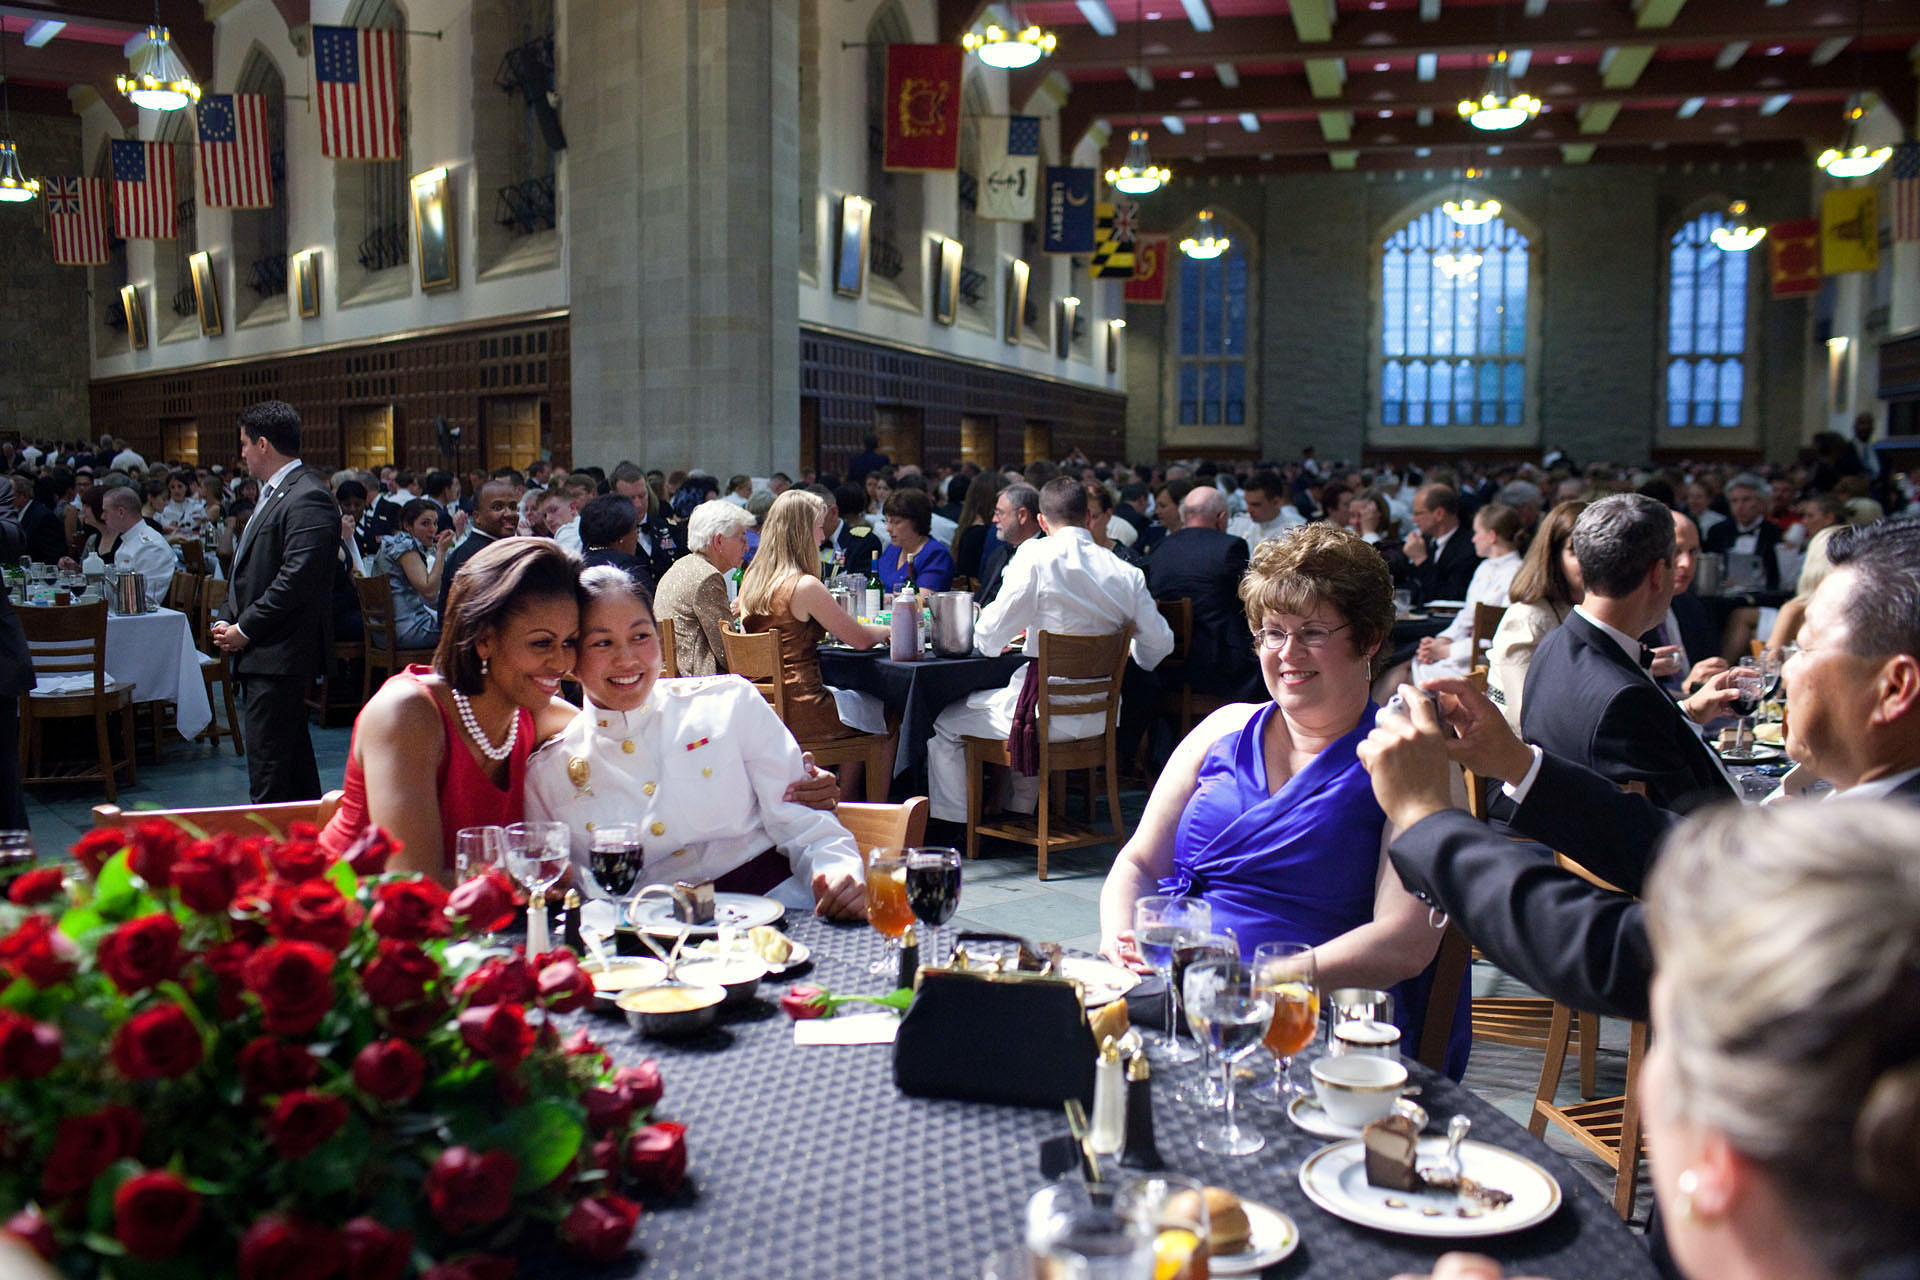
x=1306, y=1113
x=1271, y=1236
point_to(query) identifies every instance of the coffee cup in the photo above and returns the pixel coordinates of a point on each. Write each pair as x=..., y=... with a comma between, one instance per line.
x=1357, y=1089
x=1366, y=1035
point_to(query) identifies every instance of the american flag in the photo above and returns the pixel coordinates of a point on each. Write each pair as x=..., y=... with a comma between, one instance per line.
x=236, y=171
x=1904, y=177
x=77, y=220
x=143, y=191
x=355, y=69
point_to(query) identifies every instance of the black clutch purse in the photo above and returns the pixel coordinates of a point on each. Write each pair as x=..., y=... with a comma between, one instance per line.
x=1013, y=1035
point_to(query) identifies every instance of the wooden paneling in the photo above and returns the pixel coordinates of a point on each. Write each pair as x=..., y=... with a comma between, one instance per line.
x=514, y=431
x=368, y=436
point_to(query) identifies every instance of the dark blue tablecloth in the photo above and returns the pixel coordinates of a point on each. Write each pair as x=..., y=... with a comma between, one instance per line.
x=919, y=691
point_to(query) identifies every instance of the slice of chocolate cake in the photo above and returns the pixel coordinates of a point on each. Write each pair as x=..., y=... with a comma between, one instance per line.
x=1390, y=1144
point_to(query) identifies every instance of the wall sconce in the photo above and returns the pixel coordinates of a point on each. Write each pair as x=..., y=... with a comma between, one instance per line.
x=1114, y=330
x=1063, y=329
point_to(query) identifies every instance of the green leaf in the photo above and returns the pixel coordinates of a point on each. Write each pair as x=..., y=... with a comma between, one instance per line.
x=100, y=1201
x=543, y=1136
x=104, y=1244
x=343, y=878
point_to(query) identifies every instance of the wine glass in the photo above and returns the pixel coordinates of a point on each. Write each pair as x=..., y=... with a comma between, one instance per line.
x=1202, y=1089
x=475, y=849
x=615, y=856
x=888, y=910
x=1749, y=686
x=1158, y=923
x=1286, y=971
x=933, y=890
x=537, y=856
x=1773, y=666
x=1225, y=997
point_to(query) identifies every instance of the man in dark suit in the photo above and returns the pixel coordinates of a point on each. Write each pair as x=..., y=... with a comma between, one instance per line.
x=1685, y=645
x=16, y=678
x=868, y=459
x=1016, y=517
x=496, y=514
x=1204, y=563
x=847, y=531
x=1442, y=556
x=1749, y=532
x=40, y=522
x=280, y=636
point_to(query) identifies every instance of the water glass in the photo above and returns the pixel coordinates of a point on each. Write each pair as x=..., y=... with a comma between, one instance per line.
x=1174, y=1208
x=476, y=849
x=1079, y=1231
x=1159, y=924
x=1225, y=997
x=1203, y=1088
x=16, y=856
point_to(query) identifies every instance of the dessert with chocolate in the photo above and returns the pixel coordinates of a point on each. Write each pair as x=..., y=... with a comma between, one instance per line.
x=1391, y=1143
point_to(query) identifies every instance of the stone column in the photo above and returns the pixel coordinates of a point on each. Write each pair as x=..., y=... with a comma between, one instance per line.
x=682, y=122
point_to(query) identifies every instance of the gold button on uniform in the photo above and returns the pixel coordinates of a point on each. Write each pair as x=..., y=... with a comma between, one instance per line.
x=627, y=746
x=706, y=773
x=589, y=826
x=658, y=828
x=678, y=852
x=648, y=789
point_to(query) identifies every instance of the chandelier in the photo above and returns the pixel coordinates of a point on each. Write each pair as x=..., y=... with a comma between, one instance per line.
x=1467, y=211
x=1009, y=50
x=1735, y=235
x=1138, y=175
x=1853, y=158
x=1499, y=107
x=160, y=80
x=15, y=185
x=1204, y=244
x=1459, y=261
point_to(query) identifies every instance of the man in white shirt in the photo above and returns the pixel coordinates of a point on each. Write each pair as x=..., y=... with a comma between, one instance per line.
x=139, y=548
x=127, y=460
x=1269, y=514
x=1065, y=583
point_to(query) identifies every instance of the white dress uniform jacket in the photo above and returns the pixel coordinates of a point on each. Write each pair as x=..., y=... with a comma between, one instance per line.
x=700, y=770
x=147, y=553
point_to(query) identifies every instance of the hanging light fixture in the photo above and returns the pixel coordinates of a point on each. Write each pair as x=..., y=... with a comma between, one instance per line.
x=160, y=80
x=1853, y=158
x=1008, y=50
x=1467, y=211
x=1459, y=260
x=1499, y=107
x=1204, y=244
x=1736, y=235
x=1137, y=175
x=15, y=185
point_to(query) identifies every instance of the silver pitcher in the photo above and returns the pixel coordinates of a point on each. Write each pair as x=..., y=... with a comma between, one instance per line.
x=1709, y=573
x=953, y=624
x=126, y=591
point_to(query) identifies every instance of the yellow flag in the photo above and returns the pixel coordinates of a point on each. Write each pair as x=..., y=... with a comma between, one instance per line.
x=1849, y=231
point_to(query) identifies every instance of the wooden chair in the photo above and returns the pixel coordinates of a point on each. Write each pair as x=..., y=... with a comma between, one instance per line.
x=669, y=661
x=376, y=620
x=885, y=826
x=1094, y=667
x=193, y=555
x=1486, y=620
x=216, y=667
x=1452, y=963
x=68, y=641
x=961, y=582
x=240, y=819
x=1182, y=703
x=756, y=655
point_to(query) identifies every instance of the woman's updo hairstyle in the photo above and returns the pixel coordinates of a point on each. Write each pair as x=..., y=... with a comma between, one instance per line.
x=1788, y=942
x=497, y=583
x=1504, y=523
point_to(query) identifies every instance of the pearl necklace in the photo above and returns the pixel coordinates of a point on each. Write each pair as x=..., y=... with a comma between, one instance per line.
x=480, y=739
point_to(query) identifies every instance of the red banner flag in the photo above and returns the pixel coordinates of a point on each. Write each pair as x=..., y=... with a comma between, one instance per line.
x=923, y=107
x=77, y=220
x=1796, y=257
x=1149, y=283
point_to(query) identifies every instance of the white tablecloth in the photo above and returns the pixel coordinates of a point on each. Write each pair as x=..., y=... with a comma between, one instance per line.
x=154, y=652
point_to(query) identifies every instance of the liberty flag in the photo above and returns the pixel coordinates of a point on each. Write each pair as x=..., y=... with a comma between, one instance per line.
x=236, y=170
x=356, y=77
x=1904, y=175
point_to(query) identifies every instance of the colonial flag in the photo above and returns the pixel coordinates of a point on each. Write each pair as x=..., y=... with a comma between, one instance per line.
x=1069, y=226
x=1796, y=257
x=1009, y=167
x=923, y=107
x=1113, y=228
x=235, y=170
x=77, y=220
x=1849, y=230
x=1904, y=178
x=354, y=71
x=1149, y=283
x=143, y=191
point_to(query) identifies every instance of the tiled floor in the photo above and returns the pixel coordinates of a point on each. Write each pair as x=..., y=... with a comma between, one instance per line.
x=1000, y=892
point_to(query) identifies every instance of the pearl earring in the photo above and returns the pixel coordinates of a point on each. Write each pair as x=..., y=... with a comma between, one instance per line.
x=1683, y=1187
x=484, y=666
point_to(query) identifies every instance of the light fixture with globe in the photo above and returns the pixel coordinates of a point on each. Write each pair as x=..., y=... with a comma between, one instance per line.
x=1465, y=210
x=1736, y=235
x=1853, y=158
x=1008, y=50
x=1204, y=244
x=15, y=185
x=160, y=80
x=1137, y=174
x=1499, y=106
x=1459, y=260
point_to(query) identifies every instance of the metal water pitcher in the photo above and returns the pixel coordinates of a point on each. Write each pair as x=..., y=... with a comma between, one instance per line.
x=953, y=624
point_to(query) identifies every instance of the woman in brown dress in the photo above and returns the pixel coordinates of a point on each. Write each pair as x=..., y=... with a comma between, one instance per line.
x=782, y=593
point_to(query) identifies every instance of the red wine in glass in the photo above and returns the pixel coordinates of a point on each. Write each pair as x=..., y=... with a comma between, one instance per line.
x=933, y=889
x=617, y=868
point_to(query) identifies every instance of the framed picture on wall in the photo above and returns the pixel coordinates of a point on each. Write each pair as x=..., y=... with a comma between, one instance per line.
x=205, y=295
x=1016, y=300
x=136, y=313
x=850, y=250
x=946, y=288
x=433, y=235
x=306, y=283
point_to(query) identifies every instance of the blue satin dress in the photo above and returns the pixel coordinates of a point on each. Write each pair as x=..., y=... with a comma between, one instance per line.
x=1298, y=865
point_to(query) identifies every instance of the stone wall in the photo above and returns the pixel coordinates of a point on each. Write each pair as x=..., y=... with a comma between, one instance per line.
x=43, y=307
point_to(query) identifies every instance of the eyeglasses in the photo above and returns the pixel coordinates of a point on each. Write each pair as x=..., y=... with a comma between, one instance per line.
x=1273, y=639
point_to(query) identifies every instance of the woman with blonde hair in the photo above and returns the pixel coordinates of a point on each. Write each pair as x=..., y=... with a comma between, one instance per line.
x=782, y=593
x=1813, y=567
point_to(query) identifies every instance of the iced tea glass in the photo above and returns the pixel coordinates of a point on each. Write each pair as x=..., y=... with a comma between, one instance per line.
x=888, y=909
x=1286, y=971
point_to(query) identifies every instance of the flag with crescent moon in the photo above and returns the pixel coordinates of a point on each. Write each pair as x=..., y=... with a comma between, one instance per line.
x=1796, y=257
x=1849, y=230
x=1149, y=283
x=1069, y=225
x=923, y=108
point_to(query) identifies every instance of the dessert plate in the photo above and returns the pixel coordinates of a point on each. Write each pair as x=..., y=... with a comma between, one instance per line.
x=798, y=953
x=1335, y=1178
x=1102, y=981
x=740, y=910
x=1271, y=1236
x=1759, y=753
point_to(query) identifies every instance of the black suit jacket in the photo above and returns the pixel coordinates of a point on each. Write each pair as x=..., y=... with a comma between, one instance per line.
x=282, y=579
x=1447, y=575
x=475, y=543
x=46, y=535
x=1206, y=566
x=1720, y=539
x=16, y=661
x=860, y=551
x=991, y=571
x=1697, y=632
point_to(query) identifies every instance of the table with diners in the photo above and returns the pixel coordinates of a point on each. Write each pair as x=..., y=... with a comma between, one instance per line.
x=153, y=652
x=808, y=1163
x=919, y=691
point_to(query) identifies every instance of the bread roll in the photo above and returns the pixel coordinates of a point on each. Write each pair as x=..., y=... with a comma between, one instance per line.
x=1227, y=1229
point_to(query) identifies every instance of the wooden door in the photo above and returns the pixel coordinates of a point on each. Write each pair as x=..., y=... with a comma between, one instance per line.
x=512, y=426
x=810, y=433
x=366, y=431
x=902, y=436
x=978, y=444
x=180, y=441
x=1039, y=441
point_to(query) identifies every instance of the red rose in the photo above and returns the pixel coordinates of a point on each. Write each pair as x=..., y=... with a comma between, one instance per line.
x=376, y=1251
x=803, y=1001
x=93, y=849
x=554, y=956
x=153, y=1213
x=657, y=1156
x=466, y=1189
x=280, y=1246
x=270, y=1067
x=32, y=1230
x=582, y=1045
x=472, y=1266
x=302, y=1121
x=608, y=1108
x=157, y=1043
x=28, y=1049
x=152, y=850
x=410, y=910
x=390, y=1070
x=604, y=1154
x=208, y=873
x=83, y=1146
x=371, y=850
x=141, y=953
x=313, y=911
x=38, y=952
x=398, y=976
x=642, y=1083
x=414, y=1021
x=294, y=983
x=565, y=987
x=299, y=860
x=498, y=1033
x=224, y=961
x=42, y=884
x=599, y=1227
x=485, y=903
x=503, y=980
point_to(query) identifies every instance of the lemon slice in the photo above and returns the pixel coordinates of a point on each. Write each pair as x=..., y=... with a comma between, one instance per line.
x=1172, y=1250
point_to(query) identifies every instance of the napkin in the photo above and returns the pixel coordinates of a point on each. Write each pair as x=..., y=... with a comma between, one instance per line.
x=64, y=684
x=848, y=1028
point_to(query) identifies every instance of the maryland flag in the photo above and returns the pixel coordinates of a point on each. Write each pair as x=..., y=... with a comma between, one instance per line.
x=1149, y=282
x=1850, y=230
x=1113, y=228
x=1796, y=257
x=923, y=107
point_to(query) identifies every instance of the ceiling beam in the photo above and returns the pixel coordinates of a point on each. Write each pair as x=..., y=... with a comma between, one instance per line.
x=1692, y=155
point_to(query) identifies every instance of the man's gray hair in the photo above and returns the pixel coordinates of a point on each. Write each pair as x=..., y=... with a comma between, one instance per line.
x=1747, y=480
x=1024, y=496
x=1520, y=493
x=1882, y=605
x=715, y=519
x=1619, y=539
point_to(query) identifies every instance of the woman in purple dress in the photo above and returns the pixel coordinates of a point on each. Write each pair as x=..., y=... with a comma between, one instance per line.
x=1264, y=810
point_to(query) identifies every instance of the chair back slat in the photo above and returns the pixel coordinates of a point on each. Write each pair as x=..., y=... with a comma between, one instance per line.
x=884, y=826
x=669, y=659
x=1486, y=620
x=1179, y=615
x=68, y=640
x=376, y=612
x=756, y=656
x=1081, y=675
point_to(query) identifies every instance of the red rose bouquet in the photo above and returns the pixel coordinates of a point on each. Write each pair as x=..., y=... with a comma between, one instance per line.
x=242, y=1057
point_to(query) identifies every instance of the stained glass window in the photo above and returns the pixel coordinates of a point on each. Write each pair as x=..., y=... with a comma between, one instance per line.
x=1453, y=344
x=1706, y=327
x=1213, y=302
